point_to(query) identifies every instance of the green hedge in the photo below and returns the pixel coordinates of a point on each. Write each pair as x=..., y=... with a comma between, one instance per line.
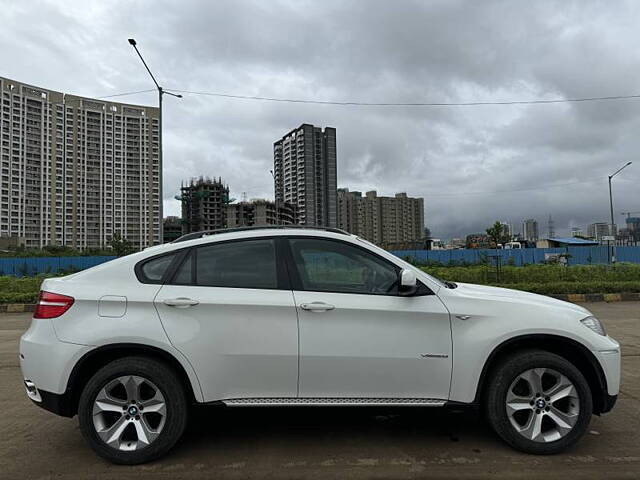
x=543, y=279
x=576, y=287
x=20, y=290
x=543, y=274
x=14, y=297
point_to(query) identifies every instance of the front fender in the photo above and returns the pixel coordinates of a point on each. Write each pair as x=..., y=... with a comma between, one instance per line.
x=494, y=320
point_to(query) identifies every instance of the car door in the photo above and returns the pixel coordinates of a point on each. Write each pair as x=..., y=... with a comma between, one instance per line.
x=229, y=309
x=358, y=336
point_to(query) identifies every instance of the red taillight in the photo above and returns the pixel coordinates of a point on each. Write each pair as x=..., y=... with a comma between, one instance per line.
x=52, y=305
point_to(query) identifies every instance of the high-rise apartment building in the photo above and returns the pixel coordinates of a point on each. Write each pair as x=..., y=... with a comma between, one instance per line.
x=394, y=223
x=74, y=170
x=304, y=166
x=204, y=205
x=530, y=230
x=259, y=213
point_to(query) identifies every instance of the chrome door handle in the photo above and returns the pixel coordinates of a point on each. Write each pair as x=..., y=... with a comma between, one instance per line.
x=316, y=306
x=180, y=302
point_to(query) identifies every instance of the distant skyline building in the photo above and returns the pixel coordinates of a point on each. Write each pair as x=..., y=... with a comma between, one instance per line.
x=551, y=229
x=530, y=230
x=304, y=166
x=204, y=204
x=76, y=170
x=577, y=232
x=394, y=223
x=600, y=229
x=259, y=213
x=633, y=228
x=507, y=229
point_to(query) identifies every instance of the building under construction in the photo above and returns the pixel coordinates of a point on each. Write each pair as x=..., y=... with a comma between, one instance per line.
x=260, y=213
x=204, y=203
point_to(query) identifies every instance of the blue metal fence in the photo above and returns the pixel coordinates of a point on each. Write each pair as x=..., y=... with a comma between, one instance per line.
x=29, y=266
x=519, y=257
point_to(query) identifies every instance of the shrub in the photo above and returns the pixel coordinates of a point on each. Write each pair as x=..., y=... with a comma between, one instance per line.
x=576, y=287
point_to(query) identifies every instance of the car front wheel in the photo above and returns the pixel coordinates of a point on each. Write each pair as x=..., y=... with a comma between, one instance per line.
x=133, y=410
x=538, y=402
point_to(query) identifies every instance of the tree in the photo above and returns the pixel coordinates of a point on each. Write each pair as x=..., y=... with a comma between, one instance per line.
x=497, y=234
x=121, y=246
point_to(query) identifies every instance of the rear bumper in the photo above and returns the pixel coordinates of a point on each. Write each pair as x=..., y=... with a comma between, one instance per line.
x=60, y=404
x=44, y=360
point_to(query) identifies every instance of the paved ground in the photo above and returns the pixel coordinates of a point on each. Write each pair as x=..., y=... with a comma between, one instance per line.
x=325, y=443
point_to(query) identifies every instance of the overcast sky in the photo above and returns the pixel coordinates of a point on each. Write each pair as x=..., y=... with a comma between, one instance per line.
x=472, y=164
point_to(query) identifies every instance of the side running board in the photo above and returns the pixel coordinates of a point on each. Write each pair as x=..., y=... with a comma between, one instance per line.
x=322, y=402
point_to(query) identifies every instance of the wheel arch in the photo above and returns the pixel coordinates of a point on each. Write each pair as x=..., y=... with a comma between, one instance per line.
x=571, y=350
x=95, y=359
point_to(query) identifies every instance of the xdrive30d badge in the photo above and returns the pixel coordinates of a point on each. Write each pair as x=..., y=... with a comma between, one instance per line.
x=290, y=316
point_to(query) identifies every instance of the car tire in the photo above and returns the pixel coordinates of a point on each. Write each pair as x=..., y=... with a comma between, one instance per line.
x=112, y=415
x=539, y=422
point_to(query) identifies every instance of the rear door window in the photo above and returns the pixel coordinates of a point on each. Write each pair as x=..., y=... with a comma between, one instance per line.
x=242, y=264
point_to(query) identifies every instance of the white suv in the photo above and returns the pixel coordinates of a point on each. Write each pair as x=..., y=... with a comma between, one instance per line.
x=284, y=316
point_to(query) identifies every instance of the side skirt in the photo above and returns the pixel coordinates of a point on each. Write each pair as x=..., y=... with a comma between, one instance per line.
x=338, y=402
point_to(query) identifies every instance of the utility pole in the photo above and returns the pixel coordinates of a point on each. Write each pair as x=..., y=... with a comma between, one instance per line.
x=611, y=232
x=161, y=92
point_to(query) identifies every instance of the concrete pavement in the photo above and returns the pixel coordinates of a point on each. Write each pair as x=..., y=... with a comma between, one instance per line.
x=325, y=442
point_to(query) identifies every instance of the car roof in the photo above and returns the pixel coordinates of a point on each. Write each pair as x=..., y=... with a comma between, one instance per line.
x=207, y=233
x=211, y=236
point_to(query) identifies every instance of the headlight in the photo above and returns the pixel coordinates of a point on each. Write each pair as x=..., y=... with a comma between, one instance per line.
x=594, y=324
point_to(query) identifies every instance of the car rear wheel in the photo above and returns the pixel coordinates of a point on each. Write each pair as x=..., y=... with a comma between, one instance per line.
x=133, y=410
x=538, y=402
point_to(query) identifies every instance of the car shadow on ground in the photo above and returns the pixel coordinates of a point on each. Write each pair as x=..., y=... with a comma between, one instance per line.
x=357, y=427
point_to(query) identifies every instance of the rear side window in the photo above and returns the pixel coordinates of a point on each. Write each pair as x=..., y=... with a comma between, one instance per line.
x=243, y=264
x=152, y=271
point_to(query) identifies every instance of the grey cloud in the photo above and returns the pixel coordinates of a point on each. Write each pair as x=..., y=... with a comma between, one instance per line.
x=472, y=164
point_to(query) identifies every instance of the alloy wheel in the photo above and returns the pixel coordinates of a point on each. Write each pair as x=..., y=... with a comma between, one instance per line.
x=542, y=405
x=129, y=413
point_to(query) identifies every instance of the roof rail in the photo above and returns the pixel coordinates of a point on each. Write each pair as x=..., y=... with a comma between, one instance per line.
x=206, y=233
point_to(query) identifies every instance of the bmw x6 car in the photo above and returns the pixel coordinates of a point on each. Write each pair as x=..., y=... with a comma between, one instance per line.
x=285, y=316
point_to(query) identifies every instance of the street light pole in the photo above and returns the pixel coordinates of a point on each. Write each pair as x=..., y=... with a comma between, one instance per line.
x=161, y=92
x=611, y=232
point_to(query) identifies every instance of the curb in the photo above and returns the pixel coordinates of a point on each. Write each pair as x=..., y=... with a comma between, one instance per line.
x=597, y=297
x=17, y=307
x=567, y=297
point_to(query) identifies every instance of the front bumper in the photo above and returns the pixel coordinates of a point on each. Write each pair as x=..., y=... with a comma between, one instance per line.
x=608, y=402
x=610, y=367
x=610, y=362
